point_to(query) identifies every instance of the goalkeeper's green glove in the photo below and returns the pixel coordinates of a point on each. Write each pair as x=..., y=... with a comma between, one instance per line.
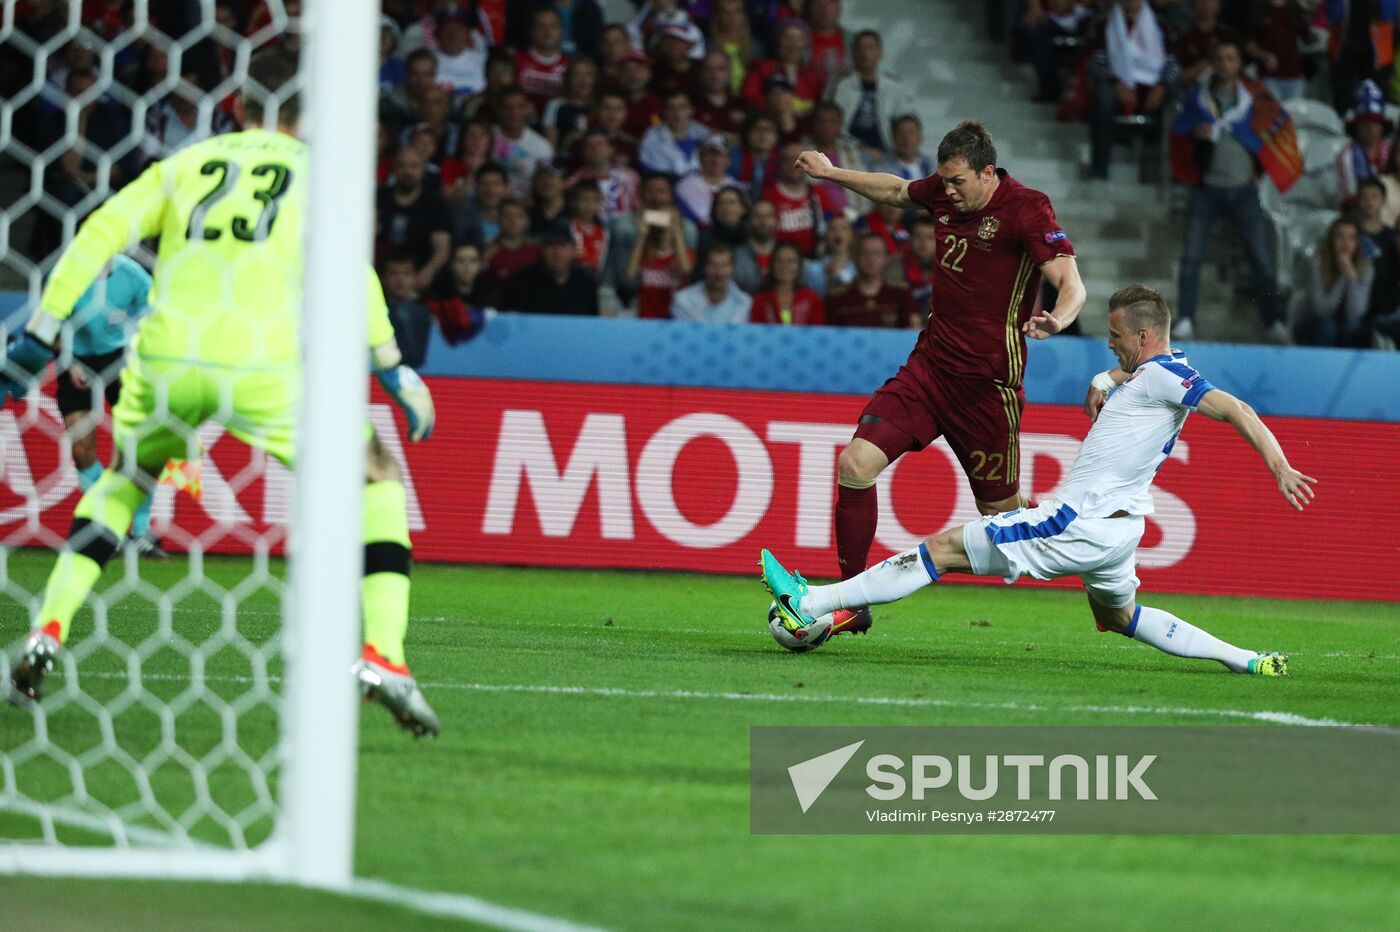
x=411, y=393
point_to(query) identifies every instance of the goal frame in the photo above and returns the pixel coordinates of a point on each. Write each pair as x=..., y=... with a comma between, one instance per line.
x=312, y=843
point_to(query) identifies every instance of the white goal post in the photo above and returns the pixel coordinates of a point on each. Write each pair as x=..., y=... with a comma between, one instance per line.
x=313, y=812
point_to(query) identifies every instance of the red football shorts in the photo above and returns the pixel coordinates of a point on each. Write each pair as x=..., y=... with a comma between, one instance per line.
x=980, y=419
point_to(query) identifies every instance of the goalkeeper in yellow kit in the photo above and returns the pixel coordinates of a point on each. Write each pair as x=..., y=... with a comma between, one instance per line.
x=221, y=343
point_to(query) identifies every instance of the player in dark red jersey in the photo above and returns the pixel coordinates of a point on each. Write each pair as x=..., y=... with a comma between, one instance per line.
x=996, y=240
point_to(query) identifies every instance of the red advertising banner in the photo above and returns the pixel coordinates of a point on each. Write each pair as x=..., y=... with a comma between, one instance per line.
x=588, y=475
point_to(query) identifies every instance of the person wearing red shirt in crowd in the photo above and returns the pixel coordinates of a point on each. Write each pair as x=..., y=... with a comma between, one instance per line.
x=790, y=61
x=801, y=218
x=539, y=70
x=828, y=57
x=1276, y=29
x=782, y=103
x=887, y=222
x=673, y=69
x=872, y=300
x=660, y=263
x=714, y=106
x=493, y=18
x=996, y=239
x=458, y=174
x=918, y=260
x=643, y=107
x=590, y=236
x=618, y=184
x=612, y=49
x=783, y=298
x=512, y=250
x=755, y=163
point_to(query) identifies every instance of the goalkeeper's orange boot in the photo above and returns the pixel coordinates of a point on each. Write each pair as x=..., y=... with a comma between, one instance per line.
x=394, y=688
x=34, y=665
x=848, y=621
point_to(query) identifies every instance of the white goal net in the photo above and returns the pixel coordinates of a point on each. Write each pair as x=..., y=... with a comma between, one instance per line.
x=182, y=730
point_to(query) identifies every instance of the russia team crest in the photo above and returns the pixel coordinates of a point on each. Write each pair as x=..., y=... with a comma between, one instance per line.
x=988, y=228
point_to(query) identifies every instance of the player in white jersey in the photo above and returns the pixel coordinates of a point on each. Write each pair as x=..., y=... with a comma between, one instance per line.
x=1092, y=526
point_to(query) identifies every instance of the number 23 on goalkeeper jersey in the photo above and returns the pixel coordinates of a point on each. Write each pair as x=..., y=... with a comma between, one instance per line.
x=227, y=289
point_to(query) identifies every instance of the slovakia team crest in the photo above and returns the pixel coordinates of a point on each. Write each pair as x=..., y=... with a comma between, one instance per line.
x=988, y=228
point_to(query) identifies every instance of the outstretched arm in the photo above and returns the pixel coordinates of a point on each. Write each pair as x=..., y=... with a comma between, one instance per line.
x=1222, y=406
x=877, y=186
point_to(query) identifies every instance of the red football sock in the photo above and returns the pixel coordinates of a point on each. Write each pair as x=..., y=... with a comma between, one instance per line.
x=856, y=515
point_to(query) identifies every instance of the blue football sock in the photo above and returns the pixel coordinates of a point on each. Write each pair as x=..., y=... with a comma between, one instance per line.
x=88, y=477
x=141, y=520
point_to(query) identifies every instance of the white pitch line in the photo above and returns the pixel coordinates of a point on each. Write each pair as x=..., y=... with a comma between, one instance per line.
x=461, y=906
x=614, y=692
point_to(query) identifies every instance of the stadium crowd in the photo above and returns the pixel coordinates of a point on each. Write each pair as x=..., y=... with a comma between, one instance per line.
x=535, y=157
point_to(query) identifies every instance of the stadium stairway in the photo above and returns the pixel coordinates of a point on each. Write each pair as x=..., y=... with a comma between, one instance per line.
x=1123, y=230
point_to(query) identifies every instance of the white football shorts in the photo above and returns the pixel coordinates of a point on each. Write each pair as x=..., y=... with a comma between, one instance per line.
x=1051, y=541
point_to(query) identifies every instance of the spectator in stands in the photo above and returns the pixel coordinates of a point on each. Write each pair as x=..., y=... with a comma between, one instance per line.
x=715, y=106
x=1054, y=30
x=652, y=16
x=714, y=299
x=843, y=151
x=643, y=107
x=870, y=97
x=783, y=299
x=673, y=68
x=393, y=69
x=478, y=221
x=696, y=191
x=618, y=184
x=583, y=25
x=828, y=56
x=420, y=139
x=539, y=69
x=790, y=61
x=1131, y=75
x=871, y=300
x=751, y=260
x=402, y=106
x=726, y=225
x=920, y=257
x=612, y=48
x=782, y=103
x=513, y=249
x=174, y=122
x=443, y=131
x=1390, y=178
x=887, y=222
x=1370, y=149
x=464, y=281
x=755, y=162
x=461, y=53
x=589, y=233
x=500, y=78
x=421, y=33
x=411, y=318
x=657, y=198
x=1276, y=29
x=1383, y=314
x=801, y=215
x=835, y=264
x=1227, y=187
x=412, y=219
x=610, y=118
x=515, y=145
x=672, y=147
x=1339, y=291
x=548, y=208
x=556, y=284
x=1361, y=44
x=1193, y=49
x=908, y=160
x=458, y=173
x=731, y=34
x=566, y=116
x=1376, y=236
x=660, y=263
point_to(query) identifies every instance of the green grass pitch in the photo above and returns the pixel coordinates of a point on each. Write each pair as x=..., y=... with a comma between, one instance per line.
x=594, y=759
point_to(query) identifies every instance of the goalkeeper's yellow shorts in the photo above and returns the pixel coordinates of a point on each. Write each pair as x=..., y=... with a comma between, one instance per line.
x=164, y=402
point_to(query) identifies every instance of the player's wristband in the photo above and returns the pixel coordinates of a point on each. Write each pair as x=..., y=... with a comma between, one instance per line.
x=1103, y=382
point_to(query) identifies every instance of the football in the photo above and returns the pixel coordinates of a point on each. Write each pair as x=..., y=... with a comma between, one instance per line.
x=809, y=638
